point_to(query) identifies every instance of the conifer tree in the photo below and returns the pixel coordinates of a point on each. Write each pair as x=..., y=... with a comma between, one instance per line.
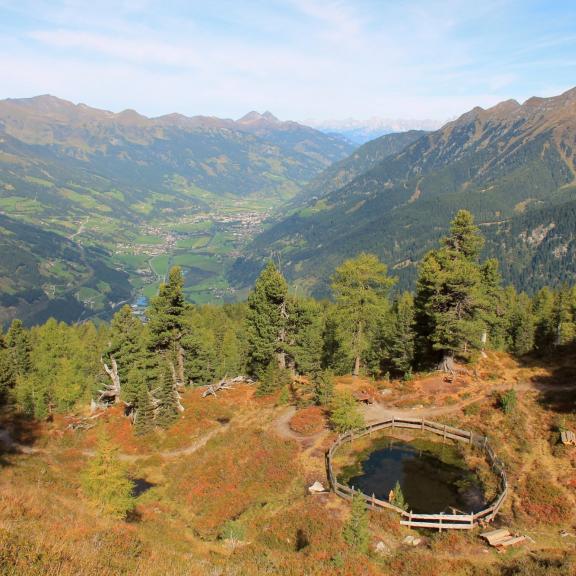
x=493, y=311
x=360, y=287
x=305, y=333
x=144, y=416
x=18, y=341
x=402, y=341
x=355, y=531
x=166, y=322
x=105, y=480
x=7, y=375
x=450, y=295
x=546, y=333
x=167, y=399
x=521, y=326
x=398, y=497
x=344, y=413
x=127, y=351
x=323, y=387
x=272, y=379
x=564, y=316
x=267, y=320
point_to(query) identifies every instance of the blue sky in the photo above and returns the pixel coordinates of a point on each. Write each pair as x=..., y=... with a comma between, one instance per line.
x=298, y=58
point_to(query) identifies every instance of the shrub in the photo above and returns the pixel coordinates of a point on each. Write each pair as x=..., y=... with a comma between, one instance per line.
x=233, y=530
x=308, y=421
x=344, y=414
x=507, y=401
x=544, y=501
x=355, y=532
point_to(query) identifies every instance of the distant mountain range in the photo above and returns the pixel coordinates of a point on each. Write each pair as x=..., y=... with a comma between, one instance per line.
x=63, y=163
x=512, y=165
x=361, y=131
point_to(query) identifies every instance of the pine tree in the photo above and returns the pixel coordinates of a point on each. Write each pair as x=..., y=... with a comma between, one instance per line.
x=356, y=531
x=126, y=348
x=168, y=401
x=18, y=341
x=7, y=375
x=305, y=333
x=493, y=311
x=105, y=480
x=166, y=318
x=272, y=379
x=144, y=416
x=323, y=387
x=451, y=298
x=398, y=497
x=564, y=316
x=267, y=320
x=344, y=413
x=546, y=334
x=402, y=341
x=521, y=327
x=360, y=287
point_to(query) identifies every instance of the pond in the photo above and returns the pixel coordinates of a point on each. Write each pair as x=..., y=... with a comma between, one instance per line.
x=433, y=476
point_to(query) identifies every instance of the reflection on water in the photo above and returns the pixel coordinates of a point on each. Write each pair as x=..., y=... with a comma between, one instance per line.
x=433, y=476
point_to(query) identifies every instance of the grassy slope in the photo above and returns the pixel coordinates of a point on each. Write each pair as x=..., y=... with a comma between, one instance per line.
x=248, y=473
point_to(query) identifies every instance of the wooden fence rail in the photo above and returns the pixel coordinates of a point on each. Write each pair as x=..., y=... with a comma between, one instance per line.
x=436, y=521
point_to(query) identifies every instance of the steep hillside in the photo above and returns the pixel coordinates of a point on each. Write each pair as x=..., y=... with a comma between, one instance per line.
x=360, y=161
x=120, y=185
x=43, y=274
x=505, y=164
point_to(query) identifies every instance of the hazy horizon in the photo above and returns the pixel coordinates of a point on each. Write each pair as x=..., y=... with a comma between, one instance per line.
x=303, y=60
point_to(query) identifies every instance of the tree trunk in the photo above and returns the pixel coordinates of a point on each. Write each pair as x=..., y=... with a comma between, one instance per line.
x=180, y=372
x=114, y=389
x=447, y=363
x=356, y=371
x=281, y=357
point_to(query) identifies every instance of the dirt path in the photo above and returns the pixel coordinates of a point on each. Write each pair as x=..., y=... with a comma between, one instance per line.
x=378, y=412
x=282, y=425
x=9, y=444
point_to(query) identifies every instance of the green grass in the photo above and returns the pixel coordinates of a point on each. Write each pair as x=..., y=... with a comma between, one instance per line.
x=148, y=239
x=151, y=290
x=160, y=264
x=199, y=261
x=193, y=243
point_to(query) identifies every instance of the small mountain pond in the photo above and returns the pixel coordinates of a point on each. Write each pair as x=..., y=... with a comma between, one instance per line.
x=433, y=476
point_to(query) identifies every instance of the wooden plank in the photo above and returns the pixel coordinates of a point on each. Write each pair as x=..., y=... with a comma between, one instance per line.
x=436, y=525
x=511, y=541
x=494, y=536
x=449, y=517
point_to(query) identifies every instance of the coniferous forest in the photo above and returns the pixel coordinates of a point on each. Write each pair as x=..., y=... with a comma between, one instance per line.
x=460, y=308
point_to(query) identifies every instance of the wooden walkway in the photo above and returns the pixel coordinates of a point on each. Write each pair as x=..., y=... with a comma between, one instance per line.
x=436, y=521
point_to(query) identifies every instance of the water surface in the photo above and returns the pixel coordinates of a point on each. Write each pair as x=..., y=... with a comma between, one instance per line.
x=433, y=476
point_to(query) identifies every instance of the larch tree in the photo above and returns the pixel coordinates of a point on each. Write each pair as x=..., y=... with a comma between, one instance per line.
x=105, y=480
x=360, y=286
x=267, y=320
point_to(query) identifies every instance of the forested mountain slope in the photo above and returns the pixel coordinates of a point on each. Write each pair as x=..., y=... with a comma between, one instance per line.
x=85, y=182
x=506, y=164
x=78, y=158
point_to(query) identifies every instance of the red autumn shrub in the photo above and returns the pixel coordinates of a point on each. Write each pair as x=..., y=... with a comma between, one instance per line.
x=233, y=472
x=543, y=501
x=308, y=421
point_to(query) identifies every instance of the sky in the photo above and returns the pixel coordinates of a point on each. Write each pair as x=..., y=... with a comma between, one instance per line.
x=300, y=59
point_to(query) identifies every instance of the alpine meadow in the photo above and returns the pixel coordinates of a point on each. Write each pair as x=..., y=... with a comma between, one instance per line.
x=336, y=339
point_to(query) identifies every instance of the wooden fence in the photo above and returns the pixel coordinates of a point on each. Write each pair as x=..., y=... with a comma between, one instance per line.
x=440, y=521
